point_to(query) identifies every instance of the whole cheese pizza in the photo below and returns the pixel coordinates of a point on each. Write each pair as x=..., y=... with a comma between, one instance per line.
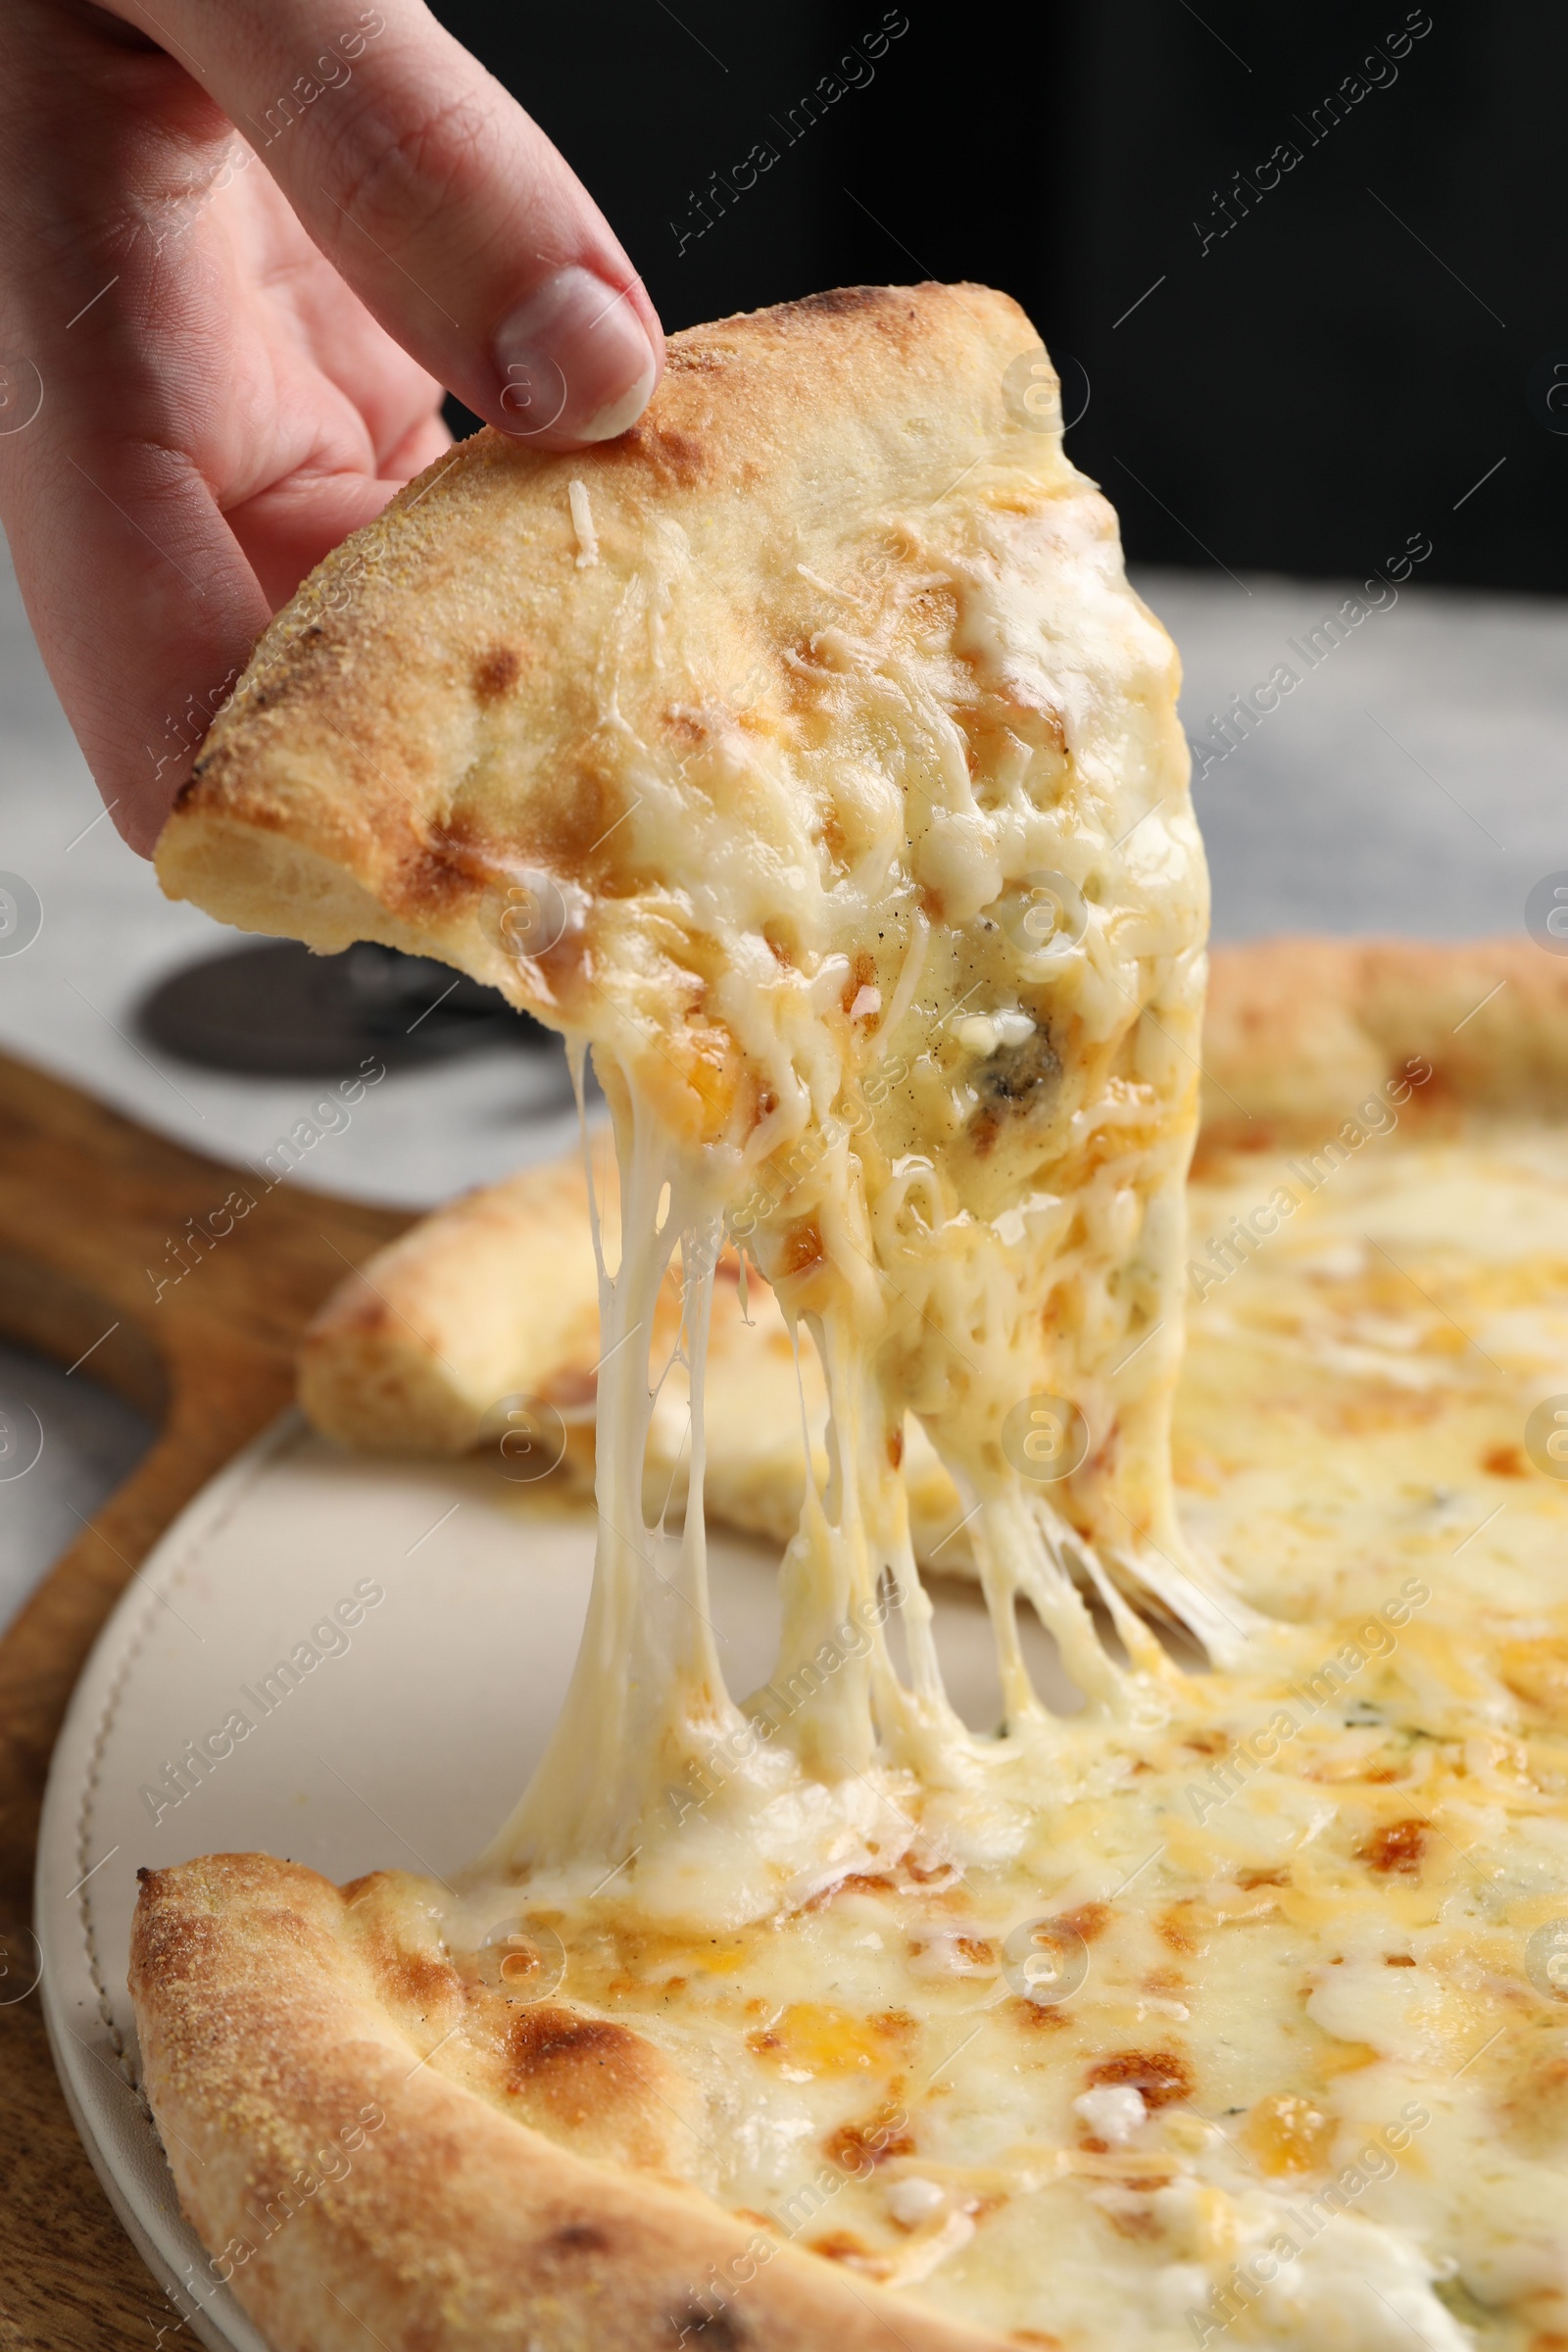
x=805, y=757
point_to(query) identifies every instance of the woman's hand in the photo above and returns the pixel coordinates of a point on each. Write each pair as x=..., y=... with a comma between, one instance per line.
x=243, y=245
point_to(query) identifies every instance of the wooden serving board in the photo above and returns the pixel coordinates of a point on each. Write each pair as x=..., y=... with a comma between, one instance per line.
x=89, y=1201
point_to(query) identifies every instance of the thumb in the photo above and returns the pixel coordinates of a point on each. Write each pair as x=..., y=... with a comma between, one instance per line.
x=436, y=196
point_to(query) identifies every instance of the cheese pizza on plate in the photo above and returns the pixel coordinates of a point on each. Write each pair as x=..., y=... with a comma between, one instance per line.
x=806, y=757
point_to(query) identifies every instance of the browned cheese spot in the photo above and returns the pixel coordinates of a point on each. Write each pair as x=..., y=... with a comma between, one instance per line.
x=803, y=1247
x=854, y=1882
x=1396, y=1846
x=896, y=2024
x=840, y=2245
x=1135, y=2220
x=1181, y=1928
x=1037, y=2015
x=858, y=2146
x=1159, y=2076
x=1087, y=1921
x=861, y=975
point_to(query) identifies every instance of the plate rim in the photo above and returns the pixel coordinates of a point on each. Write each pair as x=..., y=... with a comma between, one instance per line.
x=117, y=2130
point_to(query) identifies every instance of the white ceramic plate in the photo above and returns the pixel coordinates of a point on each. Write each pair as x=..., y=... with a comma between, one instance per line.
x=404, y=1745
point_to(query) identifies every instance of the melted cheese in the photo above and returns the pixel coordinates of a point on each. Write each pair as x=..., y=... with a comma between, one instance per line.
x=966, y=1012
x=1228, y=2025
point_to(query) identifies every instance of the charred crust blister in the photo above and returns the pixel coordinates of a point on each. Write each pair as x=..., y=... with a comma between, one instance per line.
x=716, y=2330
x=839, y=301
x=495, y=672
x=543, y=2038
x=672, y=456
x=580, y=2237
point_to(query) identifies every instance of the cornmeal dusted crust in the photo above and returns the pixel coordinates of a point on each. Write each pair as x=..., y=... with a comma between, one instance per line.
x=279, y=2017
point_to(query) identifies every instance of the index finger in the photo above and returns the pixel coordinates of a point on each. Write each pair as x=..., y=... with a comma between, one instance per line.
x=441, y=202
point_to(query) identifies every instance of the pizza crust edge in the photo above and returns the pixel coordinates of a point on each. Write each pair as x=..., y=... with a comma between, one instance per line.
x=1297, y=1026
x=320, y=803
x=267, y=2054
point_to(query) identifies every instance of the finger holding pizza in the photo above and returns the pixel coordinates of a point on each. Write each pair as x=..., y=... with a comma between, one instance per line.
x=245, y=250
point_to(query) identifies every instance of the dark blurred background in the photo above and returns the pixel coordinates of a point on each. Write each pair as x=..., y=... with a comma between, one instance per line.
x=1294, y=376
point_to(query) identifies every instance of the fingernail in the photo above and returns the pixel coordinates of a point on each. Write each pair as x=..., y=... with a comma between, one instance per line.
x=574, y=362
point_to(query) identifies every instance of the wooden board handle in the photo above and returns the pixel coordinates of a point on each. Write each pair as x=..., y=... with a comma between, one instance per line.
x=99, y=1252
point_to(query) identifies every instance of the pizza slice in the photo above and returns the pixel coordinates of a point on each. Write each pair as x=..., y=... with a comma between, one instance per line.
x=852, y=830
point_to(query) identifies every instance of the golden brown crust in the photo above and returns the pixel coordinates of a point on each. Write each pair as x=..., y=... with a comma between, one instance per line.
x=1298, y=1029
x=494, y=1296
x=274, y=2036
x=446, y=703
